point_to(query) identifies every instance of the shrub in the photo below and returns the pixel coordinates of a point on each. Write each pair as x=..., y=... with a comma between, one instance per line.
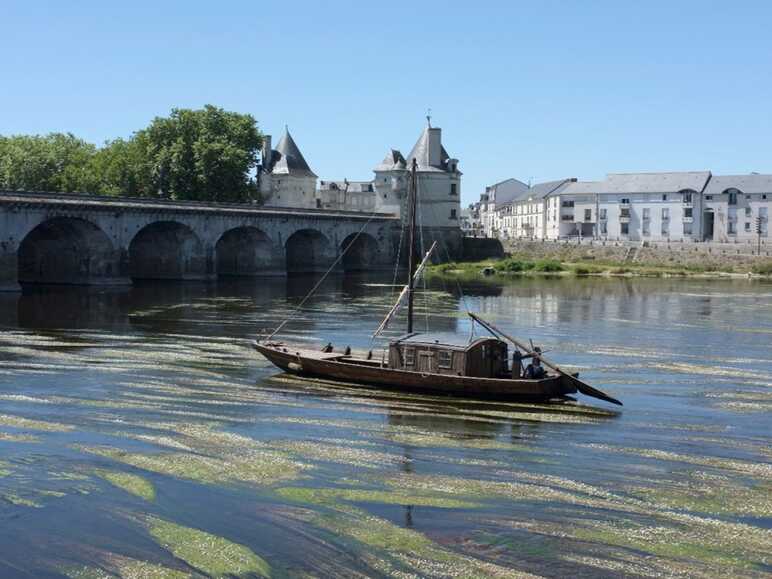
x=548, y=265
x=764, y=268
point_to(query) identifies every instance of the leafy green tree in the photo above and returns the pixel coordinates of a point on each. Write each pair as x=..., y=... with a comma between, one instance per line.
x=203, y=155
x=55, y=162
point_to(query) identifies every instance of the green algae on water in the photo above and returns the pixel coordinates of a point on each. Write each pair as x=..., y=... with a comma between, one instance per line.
x=332, y=495
x=262, y=468
x=210, y=554
x=30, y=424
x=131, y=483
x=20, y=501
x=126, y=568
x=8, y=437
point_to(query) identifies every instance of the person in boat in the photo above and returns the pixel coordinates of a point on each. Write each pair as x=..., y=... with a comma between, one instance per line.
x=534, y=370
x=328, y=348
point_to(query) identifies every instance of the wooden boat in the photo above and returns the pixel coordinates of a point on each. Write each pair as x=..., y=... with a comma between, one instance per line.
x=434, y=363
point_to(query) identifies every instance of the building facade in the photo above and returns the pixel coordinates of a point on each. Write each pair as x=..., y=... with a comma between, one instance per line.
x=284, y=177
x=677, y=206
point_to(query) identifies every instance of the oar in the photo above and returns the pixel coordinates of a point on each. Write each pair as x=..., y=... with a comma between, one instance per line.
x=583, y=387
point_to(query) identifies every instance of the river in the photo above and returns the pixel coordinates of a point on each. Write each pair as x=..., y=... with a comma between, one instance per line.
x=140, y=436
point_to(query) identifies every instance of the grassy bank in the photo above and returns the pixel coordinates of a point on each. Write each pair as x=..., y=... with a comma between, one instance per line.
x=523, y=266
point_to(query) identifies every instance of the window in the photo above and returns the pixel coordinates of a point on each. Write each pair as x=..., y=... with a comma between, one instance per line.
x=665, y=228
x=687, y=197
x=733, y=198
x=646, y=230
x=625, y=228
x=624, y=212
x=748, y=212
x=453, y=189
x=646, y=213
x=444, y=359
x=567, y=204
x=665, y=213
x=747, y=196
x=687, y=228
x=625, y=201
x=409, y=357
x=764, y=196
x=664, y=197
x=603, y=227
x=731, y=228
x=708, y=197
x=603, y=214
x=747, y=226
x=453, y=214
x=588, y=214
x=688, y=212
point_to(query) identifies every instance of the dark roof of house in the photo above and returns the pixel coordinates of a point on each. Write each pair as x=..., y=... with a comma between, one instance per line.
x=451, y=340
x=753, y=183
x=288, y=160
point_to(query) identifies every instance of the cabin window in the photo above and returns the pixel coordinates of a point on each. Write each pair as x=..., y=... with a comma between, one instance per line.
x=409, y=356
x=444, y=359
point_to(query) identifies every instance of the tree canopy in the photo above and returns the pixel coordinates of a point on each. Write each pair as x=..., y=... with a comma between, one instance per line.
x=205, y=155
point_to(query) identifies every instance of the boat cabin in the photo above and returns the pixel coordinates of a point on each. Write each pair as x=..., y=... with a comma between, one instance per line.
x=483, y=357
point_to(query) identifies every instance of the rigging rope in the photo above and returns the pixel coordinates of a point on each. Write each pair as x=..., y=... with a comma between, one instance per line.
x=321, y=280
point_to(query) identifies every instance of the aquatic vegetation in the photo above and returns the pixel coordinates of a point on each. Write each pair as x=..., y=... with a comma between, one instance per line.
x=708, y=493
x=360, y=457
x=17, y=500
x=126, y=568
x=761, y=470
x=130, y=483
x=210, y=554
x=333, y=495
x=261, y=468
x=401, y=552
x=9, y=437
x=30, y=424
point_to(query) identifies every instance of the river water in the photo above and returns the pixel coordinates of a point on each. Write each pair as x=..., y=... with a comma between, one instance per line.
x=140, y=436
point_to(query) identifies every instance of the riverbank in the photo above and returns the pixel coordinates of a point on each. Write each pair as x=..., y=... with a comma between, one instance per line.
x=525, y=265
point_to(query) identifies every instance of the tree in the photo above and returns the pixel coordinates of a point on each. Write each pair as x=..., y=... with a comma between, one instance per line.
x=205, y=155
x=55, y=162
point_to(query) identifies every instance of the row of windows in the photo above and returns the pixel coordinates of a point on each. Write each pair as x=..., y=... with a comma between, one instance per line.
x=444, y=358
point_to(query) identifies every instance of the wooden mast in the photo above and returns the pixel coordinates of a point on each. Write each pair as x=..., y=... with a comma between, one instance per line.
x=411, y=206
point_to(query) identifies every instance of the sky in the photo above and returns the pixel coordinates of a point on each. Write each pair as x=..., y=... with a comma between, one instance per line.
x=535, y=90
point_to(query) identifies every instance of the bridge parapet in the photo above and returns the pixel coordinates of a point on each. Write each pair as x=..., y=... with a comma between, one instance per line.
x=87, y=239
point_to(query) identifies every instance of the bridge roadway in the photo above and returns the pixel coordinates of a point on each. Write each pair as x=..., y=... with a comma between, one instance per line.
x=90, y=240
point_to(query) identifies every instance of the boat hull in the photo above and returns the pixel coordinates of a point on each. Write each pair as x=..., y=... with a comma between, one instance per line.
x=352, y=370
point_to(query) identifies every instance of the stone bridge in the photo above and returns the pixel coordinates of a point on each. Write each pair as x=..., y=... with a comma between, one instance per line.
x=88, y=240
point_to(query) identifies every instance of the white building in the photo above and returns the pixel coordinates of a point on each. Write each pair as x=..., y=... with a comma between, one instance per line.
x=525, y=216
x=733, y=203
x=284, y=177
x=439, y=182
x=495, y=196
x=346, y=195
x=677, y=206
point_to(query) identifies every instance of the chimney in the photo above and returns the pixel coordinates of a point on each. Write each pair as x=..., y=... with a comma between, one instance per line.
x=435, y=147
x=266, y=152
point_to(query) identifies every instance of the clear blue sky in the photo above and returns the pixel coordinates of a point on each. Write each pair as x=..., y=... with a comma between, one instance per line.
x=543, y=89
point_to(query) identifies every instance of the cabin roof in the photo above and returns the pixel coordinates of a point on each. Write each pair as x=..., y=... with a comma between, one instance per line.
x=447, y=339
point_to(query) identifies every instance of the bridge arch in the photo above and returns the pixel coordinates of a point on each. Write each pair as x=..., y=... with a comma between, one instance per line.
x=67, y=250
x=167, y=250
x=308, y=251
x=243, y=251
x=362, y=254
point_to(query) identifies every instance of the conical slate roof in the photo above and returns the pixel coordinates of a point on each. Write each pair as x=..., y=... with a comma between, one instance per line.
x=393, y=161
x=421, y=152
x=288, y=160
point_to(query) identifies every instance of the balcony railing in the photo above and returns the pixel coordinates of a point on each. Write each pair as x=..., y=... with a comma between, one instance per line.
x=623, y=219
x=688, y=219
